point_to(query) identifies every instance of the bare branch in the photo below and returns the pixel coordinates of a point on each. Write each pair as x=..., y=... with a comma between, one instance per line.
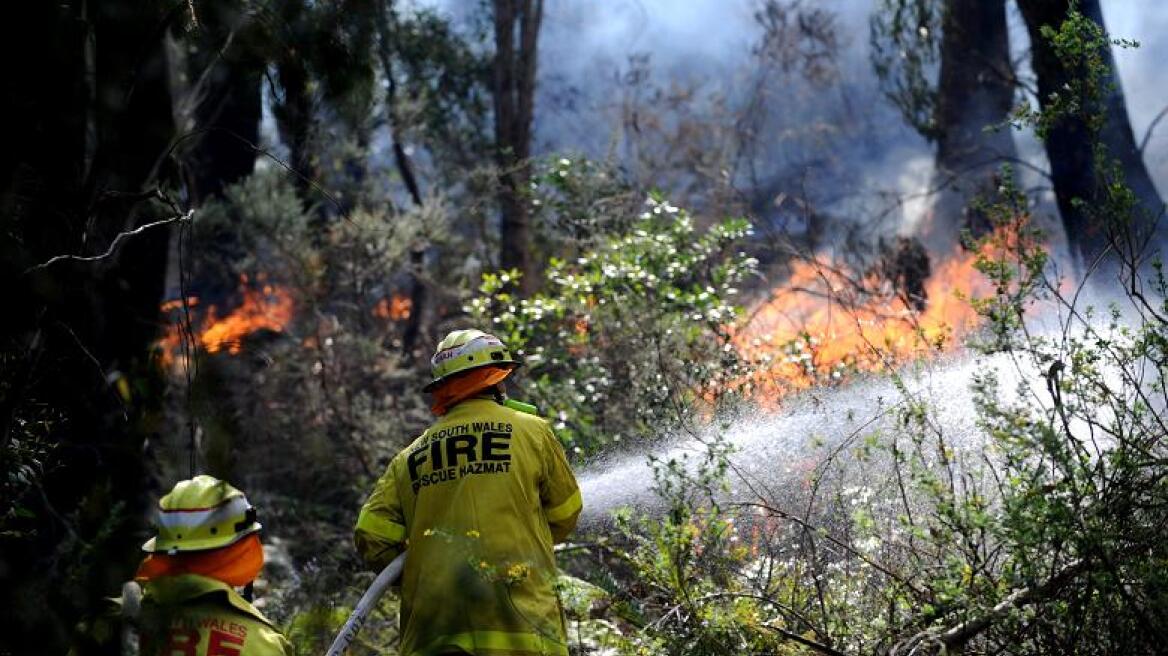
x=952, y=639
x=1151, y=129
x=113, y=245
x=105, y=377
x=194, y=15
x=266, y=153
x=838, y=542
x=810, y=644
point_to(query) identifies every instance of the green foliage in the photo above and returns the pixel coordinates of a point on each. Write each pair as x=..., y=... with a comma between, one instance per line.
x=1040, y=533
x=1047, y=536
x=1044, y=543
x=445, y=87
x=578, y=204
x=25, y=454
x=688, y=564
x=312, y=629
x=330, y=42
x=1082, y=494
x=323, y=401
x=1013, y=259
x=631, y=338
x=905, y=38
x=1082, y=47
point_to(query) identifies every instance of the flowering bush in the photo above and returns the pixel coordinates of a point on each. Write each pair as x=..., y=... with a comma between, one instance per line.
x=630, y=339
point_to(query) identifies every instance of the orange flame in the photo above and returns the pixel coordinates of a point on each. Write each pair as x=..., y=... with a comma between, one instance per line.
x=176, y=304
x=267, y=307
x=396, y=308
x=825, y=323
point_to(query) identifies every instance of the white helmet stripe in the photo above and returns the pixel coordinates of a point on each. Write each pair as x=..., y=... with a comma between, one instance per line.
x=193, y=519
x=475, y=345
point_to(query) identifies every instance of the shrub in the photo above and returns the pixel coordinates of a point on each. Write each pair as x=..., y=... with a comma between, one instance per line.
x=630, y=339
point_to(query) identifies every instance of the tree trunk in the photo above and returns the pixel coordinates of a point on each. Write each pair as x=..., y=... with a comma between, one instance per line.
x=227, y=76
x=514, y=96
x=91, y=124
x=294, y=111
x=418, y=296
x=1068, y=145
x=975, y=92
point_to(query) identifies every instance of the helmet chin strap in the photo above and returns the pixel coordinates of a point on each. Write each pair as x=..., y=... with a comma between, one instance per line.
x=500, y=393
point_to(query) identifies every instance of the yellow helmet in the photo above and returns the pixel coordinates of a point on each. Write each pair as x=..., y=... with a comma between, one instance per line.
x=200, y=514
x=463, y=350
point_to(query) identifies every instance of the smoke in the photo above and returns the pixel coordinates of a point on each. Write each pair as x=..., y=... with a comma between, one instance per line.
x=866, y=153
x=1141, y=71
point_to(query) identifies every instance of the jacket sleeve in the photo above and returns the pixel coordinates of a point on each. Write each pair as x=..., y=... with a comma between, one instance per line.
x=380, y=533
x=558, y=492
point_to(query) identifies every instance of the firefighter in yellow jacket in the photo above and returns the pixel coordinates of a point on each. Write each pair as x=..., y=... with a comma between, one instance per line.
x=207, y=545
x=479, y=499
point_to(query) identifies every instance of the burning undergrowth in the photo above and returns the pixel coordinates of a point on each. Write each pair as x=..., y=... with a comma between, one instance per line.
x=261, y=306
x=289, y=358
x=828, y=321
x=257, y=307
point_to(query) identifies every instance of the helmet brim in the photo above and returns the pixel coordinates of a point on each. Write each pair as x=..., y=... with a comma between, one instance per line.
x=515, y=364
x=188, y=546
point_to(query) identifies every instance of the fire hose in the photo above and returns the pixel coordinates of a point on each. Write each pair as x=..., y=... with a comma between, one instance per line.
x=365, y=606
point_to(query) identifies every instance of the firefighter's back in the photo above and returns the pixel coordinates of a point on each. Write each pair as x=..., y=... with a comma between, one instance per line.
x=191, y=615
x=480, y=573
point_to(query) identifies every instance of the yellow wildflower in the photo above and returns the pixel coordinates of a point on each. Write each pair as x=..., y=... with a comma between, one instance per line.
x=517, y=572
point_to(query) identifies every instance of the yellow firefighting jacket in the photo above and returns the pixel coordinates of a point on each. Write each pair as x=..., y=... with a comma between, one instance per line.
x=190, y=615
x=479, y=498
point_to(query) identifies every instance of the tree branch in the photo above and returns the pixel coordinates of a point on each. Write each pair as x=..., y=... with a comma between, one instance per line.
x=952, y=639
x=113, y=245
x=810, y=644
x=1152, y=128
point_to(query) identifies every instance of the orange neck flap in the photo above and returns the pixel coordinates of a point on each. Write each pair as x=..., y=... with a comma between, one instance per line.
x=472, y=383
x=236, y=565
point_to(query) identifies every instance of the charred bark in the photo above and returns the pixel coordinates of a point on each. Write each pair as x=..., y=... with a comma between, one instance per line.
x=1074, y=170
x=517, y=25
x=975, y=93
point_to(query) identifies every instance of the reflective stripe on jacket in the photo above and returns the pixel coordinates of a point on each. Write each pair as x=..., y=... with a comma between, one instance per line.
x=480, y=498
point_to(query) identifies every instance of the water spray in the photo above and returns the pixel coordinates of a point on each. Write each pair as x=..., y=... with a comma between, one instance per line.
x=777, y=450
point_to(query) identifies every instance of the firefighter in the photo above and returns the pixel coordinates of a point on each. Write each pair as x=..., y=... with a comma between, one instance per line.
x=479, y=498
x=207, y=545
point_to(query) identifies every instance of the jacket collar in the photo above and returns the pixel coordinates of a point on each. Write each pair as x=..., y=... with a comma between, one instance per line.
x=184, y=588
x=473, y=402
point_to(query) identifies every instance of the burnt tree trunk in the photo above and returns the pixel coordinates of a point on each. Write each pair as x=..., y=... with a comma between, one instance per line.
x=516, y=34
x=975, y=92
x=1074, y=171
